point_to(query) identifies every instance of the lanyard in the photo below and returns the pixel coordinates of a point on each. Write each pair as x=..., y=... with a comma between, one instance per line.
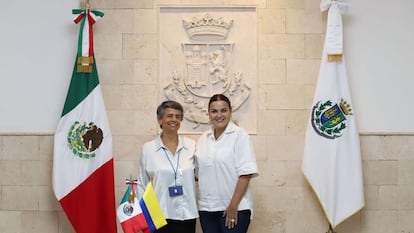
x=172, y=166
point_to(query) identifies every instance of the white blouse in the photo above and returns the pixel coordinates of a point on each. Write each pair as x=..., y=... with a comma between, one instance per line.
x=164, y=170
x=220, y=163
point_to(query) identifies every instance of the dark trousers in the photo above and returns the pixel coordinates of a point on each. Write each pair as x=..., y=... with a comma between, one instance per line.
x=213, y=222
x=178, y=226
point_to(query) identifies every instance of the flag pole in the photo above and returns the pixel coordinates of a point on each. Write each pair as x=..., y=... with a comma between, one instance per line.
x=330, y=229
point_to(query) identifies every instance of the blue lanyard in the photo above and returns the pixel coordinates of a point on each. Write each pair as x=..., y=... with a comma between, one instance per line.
x=172, y=166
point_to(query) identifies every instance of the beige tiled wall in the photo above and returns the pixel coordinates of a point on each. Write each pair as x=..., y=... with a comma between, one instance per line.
x=290, y=44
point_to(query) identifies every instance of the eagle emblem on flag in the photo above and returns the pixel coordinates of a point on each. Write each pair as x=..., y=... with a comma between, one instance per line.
x=84, y=139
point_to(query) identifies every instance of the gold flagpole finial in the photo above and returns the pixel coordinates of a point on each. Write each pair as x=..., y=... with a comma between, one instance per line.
x=87, y=4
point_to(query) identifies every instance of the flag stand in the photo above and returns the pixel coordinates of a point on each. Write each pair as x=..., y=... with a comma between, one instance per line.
x=330, y=229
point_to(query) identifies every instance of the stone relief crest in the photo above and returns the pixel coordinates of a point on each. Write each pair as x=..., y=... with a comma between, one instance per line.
x=208, y=69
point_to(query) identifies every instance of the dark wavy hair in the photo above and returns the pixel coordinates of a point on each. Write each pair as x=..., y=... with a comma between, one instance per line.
x=218, y=97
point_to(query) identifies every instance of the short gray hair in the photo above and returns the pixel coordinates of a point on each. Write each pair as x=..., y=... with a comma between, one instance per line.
x=169, y=104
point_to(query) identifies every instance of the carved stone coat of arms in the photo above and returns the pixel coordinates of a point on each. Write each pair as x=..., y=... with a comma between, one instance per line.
x=199, y=58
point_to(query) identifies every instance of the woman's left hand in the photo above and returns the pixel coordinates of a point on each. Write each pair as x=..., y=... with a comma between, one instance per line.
x=231, y=217
x=231, y=212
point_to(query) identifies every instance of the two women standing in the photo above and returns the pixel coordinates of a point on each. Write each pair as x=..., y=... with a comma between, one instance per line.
x=223, y=161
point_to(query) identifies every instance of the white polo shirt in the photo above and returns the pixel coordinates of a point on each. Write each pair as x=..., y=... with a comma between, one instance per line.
x=220, y=163
x=157, y=165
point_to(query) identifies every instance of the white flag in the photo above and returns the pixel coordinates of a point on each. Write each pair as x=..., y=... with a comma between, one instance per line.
x=332, y=158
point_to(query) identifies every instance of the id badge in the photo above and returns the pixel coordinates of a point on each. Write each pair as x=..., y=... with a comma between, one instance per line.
x=175, y=190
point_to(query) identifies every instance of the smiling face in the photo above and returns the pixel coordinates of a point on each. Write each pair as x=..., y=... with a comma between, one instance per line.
x=171, y=120
x=219, y=113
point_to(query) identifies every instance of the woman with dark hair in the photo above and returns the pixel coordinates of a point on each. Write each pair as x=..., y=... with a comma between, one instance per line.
x=168, y=162
x=225, y=164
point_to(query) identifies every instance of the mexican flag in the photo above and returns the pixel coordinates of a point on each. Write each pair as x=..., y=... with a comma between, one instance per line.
x=140, y=215
x=332, y=160
x=130, y=213
x=83, y=166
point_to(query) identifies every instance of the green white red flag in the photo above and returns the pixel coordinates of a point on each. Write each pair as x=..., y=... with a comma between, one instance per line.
x=332, y=159
x=83, y=166
x=144, y=215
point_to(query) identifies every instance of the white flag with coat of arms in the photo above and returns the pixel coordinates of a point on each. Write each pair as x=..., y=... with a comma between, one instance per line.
x=332, y=159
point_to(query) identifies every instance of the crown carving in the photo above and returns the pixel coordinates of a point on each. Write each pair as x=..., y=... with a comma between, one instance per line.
x=207, y=26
